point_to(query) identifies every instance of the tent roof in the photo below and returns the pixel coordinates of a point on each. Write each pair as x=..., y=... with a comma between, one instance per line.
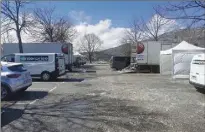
x=182, y=46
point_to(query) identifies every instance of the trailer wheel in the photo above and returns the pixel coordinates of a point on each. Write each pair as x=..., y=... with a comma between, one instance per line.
x=45, y=76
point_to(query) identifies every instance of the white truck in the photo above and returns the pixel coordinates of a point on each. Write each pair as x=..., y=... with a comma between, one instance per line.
x=148, y=55
x=50, y=47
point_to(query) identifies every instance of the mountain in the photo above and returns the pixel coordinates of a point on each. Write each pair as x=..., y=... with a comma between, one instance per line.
x=193, y=36
x=122, y=50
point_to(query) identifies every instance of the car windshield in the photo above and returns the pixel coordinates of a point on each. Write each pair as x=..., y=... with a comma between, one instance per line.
x=103, y=65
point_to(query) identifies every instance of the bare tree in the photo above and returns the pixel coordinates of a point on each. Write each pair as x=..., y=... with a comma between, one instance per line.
x=64, y=31
x=151, y=29
x=7, y=37
x=14, y=18
x=189, y=10
x=155, y=27
x=51, y=29
x=132, y=36
x=134, y=33
x=89, y=44
x=126, y=50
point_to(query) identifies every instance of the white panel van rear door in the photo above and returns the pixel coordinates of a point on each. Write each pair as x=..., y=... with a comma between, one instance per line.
x=61, y=64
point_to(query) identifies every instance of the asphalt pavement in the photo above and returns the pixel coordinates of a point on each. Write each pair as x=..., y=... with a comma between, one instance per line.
x=97, y=99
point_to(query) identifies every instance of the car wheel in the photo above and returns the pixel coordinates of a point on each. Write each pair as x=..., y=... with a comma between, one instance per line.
x=5, y=92
x=45, y=76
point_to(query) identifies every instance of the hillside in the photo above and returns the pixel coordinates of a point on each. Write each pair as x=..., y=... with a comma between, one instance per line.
x=122, y=50
x=193, y=36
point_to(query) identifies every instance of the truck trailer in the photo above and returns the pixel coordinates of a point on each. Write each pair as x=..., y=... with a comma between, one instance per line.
x=147, y=55
x=50, y=47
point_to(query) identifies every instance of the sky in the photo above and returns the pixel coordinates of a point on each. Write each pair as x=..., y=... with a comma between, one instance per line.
x=108, y=19
x=120, y=12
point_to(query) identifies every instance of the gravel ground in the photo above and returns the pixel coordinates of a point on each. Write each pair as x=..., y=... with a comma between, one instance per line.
x=108, y=101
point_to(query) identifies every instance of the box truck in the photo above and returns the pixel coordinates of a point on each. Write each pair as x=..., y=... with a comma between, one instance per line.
x=148, y=55
x=50, y=47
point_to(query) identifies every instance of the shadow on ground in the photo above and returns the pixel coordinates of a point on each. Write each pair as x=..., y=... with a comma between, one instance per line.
x=28, y=95
x=10, y=115
x=89, y=113
x=201, y=90
x=61, y=80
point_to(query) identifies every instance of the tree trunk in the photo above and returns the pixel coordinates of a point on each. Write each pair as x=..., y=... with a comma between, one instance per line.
x=90, y=58
x=156, y=38
x=19, y=41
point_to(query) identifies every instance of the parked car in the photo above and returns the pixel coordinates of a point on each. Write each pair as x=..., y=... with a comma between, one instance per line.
x=14, y=77
x=197, y=71
x=47, y=66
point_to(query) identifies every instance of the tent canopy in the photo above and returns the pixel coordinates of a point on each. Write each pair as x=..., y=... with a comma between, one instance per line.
x=182, y=46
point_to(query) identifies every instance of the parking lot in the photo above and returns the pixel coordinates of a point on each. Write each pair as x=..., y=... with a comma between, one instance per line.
x=103, y=100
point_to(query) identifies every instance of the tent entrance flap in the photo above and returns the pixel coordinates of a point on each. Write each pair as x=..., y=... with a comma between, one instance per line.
x=181, y=62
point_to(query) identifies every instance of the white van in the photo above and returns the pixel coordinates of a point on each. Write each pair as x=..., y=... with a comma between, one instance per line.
x=197, y=71
x=47, y=47
x=45, y=65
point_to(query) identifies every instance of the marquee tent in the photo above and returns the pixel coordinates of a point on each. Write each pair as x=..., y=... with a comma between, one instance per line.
x=176, y=61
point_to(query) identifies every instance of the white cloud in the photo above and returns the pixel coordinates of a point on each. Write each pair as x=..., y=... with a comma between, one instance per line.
x=168, y=25
x=103, y=29
x=80, y=16
x=110, y=36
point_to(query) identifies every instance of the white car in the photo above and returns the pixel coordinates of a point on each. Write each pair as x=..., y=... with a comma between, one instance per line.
x=14, y=77
x=197, y=71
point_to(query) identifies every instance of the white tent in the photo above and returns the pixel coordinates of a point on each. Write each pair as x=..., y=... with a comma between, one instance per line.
x=176, y=61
